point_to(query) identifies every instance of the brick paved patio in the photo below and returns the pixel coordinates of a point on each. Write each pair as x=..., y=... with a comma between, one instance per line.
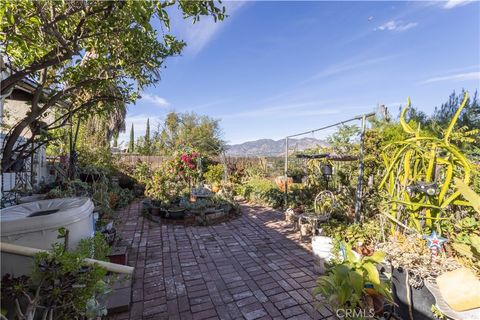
x=247, y=268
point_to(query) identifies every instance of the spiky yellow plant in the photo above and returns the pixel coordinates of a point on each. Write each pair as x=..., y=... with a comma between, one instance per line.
x=428, y=160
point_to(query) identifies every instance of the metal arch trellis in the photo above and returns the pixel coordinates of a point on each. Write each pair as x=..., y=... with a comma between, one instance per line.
x=22, y=181
x=359, y=191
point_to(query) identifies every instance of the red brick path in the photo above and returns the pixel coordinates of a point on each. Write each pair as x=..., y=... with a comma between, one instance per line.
x=251, y=267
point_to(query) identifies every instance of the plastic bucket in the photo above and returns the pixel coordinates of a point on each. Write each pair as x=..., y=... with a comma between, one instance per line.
x=322, y=252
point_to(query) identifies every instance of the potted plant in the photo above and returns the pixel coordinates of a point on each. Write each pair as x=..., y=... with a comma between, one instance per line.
x=353, y=286
x=166, y=185
x=176, y=208
x=155, y=208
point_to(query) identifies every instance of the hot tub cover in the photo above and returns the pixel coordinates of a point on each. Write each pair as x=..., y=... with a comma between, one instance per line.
x=15, y=220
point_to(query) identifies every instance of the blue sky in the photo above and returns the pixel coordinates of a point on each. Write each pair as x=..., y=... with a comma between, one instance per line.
x=276, y=68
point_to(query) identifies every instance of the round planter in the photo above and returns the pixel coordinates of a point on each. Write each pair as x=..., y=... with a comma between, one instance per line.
x=322, y=252
x=175, y=213
x=421, y=299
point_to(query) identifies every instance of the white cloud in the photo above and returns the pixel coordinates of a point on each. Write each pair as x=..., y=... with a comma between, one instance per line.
x=397, y=26
x=450, y=4
x=455, y=77
x=345, y=66
x=283, y=111
x=198, y=35
x=157, y=100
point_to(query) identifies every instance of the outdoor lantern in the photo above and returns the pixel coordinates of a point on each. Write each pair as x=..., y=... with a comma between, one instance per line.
x=327, y=171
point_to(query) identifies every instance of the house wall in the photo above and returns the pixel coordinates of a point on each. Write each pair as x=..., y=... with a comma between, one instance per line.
x=14, y=109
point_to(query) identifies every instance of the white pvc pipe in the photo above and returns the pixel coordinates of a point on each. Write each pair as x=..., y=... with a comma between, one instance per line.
x=30, y=252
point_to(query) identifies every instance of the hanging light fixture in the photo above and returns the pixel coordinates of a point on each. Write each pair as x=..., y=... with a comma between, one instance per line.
x=327, y=172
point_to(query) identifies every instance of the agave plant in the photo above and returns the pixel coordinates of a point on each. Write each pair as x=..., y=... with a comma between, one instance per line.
x=418, y=180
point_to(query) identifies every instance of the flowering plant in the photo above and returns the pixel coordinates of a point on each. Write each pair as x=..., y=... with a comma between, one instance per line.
x=190, y=159
x=174, y=177
x=187, y=165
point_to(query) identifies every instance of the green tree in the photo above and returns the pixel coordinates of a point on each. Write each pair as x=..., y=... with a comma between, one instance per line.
x=147, y=138
x=144, y=145
x=467, y=136
x=131, y=143
x=93, y=56
x=182, y=130
x=469, y=117
x=343, y=140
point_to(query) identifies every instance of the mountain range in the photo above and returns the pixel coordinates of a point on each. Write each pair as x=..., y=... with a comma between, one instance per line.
x=272, y=148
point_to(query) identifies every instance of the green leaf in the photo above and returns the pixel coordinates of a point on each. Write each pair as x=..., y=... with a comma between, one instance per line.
x=377, y=257
x=463, y=249
x=372, y=273
x=356, y=280
x=475, y=241
x=468, y=194
x=406, y=127
x=455, y=118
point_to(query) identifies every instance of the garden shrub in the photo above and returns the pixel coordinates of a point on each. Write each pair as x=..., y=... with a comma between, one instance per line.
x=261, y=191
x=142, y=172
x=214, y=174
x=173, y=178
x=60, y=287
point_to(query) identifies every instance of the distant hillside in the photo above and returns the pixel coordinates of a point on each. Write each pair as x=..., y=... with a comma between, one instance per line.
x=269, y=147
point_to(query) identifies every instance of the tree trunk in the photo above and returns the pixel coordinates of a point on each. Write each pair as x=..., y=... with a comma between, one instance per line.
x=12, y=137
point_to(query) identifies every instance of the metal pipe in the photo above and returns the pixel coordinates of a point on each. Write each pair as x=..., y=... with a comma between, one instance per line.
x=285, y=202
x=358, y=199
x=329, y=126
x=30, y=252
x=225, y=169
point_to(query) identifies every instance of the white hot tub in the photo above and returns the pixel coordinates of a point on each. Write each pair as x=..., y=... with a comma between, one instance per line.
x=36, y=224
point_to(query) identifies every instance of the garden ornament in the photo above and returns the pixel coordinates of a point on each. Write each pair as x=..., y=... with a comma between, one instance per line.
x=435, y=243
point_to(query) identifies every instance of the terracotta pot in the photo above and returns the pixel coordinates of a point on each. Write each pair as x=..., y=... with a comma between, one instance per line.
x=215, y=189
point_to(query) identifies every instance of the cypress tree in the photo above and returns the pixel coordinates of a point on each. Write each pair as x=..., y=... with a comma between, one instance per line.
x=131, y=144
x=147, y=138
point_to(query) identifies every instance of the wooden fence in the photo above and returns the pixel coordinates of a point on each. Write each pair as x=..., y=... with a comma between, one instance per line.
x=132, y=159
x=267, y=163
